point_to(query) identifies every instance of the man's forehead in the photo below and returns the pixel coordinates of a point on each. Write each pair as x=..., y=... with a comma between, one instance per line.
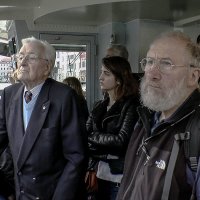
x=168, y=42
x=32, y=46
x=167, y=47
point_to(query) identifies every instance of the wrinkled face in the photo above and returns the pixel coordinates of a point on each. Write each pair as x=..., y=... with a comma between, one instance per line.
x=33, y=68
x=107, y=80
x=163, y=91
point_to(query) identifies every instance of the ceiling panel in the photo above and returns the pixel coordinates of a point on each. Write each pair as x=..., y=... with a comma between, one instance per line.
x=94, y=15
x=98, y=14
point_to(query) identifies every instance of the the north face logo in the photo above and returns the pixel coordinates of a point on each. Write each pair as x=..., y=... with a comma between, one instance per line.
x=160, y=164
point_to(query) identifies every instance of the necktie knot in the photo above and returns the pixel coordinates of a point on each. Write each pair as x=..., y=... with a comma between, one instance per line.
x=28, y=96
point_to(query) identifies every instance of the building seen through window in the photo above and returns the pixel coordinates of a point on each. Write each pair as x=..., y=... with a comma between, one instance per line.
x=6, y=61
x=70, y=64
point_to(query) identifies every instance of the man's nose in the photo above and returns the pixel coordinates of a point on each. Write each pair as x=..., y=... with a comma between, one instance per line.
x=100, y=77
x=153, y=73
x=154, y=66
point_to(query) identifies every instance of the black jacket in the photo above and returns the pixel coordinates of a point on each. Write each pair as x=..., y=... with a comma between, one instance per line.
x=148, y=156
x=109, y=131
x=6, y=174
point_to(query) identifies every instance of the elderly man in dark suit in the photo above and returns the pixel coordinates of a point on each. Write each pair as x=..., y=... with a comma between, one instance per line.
x=39, y=118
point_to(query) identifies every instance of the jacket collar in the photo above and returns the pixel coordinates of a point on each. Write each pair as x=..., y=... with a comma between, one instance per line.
x=100, y=109
x=146, y=115
x=188, y=105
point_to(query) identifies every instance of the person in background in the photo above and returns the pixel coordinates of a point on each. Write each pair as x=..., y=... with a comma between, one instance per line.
x=110, y=125
x=74, y=83
x=121, y=50
x=117, y=50
x=155, y=165
x=39, y=117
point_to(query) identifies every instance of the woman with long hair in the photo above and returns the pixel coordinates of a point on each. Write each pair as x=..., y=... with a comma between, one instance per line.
x=110, y=126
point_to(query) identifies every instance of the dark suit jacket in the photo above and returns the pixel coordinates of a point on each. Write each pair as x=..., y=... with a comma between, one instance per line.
x=49, y=155
x=7, y=187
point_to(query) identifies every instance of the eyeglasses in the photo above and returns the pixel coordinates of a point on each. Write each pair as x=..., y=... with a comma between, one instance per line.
x=30, y=58
x=163, y=65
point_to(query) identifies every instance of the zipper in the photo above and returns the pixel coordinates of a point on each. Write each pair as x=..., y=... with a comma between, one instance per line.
x=171, y=125
x=130, y=184
x=144, y=150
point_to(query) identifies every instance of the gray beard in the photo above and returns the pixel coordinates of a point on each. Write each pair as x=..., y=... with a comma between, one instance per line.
x=164, y=100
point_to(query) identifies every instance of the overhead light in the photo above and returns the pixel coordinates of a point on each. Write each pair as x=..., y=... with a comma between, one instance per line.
x=7, y=6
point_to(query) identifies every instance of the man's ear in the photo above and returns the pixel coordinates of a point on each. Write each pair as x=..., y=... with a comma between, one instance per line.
x=48, y=69
x=194, y=76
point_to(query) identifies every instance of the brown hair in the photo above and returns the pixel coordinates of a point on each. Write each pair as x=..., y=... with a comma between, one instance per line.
x=121, y=69
x=74, y=83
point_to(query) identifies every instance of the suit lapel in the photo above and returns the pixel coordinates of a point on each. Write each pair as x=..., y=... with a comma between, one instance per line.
x=16, y=116
x=35, y=124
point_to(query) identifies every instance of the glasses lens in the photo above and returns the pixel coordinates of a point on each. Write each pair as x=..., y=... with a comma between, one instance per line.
x=19, y=57
x=143, y=63
x=146, y=63
x=31, y=58
x=165, y=65
x=162, y=65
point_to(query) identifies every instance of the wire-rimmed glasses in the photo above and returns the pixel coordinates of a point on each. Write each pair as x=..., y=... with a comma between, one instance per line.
x=162, y=64
x=30, y=58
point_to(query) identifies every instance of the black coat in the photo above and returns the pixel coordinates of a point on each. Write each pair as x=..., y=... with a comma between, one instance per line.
x=109, y=131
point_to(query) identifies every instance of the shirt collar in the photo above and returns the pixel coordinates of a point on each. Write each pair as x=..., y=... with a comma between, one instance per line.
x=35, y=90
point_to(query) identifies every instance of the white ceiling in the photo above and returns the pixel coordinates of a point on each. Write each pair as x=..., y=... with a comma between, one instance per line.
x=97, y=12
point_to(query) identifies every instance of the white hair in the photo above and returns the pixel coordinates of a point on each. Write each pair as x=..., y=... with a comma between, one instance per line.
x=50, y=53
x=192, y=48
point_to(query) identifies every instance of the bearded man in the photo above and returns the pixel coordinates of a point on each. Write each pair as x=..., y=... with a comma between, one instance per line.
x=156, y=166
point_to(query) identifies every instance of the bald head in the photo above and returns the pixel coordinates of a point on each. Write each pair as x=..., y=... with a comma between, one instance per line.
x=117, y=50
